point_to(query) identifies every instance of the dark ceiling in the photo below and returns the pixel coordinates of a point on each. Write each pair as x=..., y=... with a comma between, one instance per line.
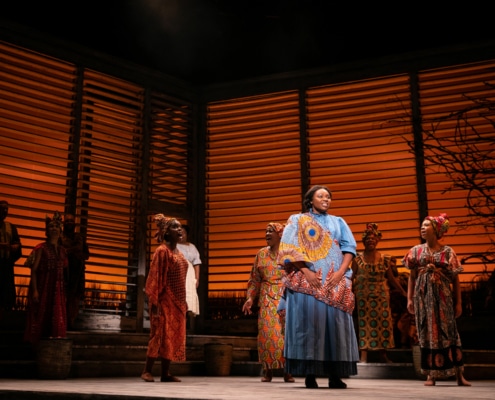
x=209, y=41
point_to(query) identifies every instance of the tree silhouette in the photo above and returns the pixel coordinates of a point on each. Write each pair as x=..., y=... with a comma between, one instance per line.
x=467, y=158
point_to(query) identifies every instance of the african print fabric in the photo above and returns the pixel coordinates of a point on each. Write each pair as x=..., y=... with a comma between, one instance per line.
x=375, y=323
x=166, y=290
x=265, y=284
x=439, y=340
x=309, y=242
x=319, y=330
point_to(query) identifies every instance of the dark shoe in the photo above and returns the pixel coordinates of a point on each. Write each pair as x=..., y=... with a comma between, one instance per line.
x=170, y=378
x=267, y=377
x=336, y=383
x=147, y=377
x=288, y=378
x=310, y=382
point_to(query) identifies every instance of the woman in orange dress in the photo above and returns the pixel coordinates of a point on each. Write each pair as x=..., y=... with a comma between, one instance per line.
x=166, y=291
x=265, y=284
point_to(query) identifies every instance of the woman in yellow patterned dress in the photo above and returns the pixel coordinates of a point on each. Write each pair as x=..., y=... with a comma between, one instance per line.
x=372, y=275
x=265, y=284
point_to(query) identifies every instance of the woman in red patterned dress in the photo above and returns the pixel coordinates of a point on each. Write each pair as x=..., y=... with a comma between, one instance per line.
x=46, y=311
x=434, y=297
x=266, y=285
x=166, y=291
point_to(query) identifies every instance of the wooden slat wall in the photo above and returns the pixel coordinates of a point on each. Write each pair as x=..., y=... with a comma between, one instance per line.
x=109, y=182
x=357, y=148
x=443, y=92
x=36, y=101
x=171, y=128
x=357, y=144
x=253, y=178
x=74, y=138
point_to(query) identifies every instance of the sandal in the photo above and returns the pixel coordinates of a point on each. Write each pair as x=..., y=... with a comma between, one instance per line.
x=147, y=377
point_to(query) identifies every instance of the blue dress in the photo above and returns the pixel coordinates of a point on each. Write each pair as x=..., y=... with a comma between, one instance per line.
x=319, y=331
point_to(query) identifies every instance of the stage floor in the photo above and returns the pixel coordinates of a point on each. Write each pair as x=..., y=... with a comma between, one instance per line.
x=237, y=388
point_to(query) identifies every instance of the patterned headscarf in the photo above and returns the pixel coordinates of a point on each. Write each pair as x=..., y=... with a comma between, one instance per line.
x=440, y=224
x=279, y=228
x=372, y=229
x=162, y=223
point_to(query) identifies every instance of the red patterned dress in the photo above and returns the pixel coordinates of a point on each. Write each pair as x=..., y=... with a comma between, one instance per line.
x=265, y=283
x=439, y=340
x=48, y=318
x=166, y=290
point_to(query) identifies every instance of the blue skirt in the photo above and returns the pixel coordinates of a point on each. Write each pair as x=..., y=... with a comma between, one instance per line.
x=319, y=339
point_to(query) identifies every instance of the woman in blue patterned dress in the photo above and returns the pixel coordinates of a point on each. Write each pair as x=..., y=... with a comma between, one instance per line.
x=434, y=296
x=316, y=251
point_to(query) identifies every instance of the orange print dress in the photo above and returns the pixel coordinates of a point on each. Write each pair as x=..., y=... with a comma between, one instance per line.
x=166, y=290
x=265, y=284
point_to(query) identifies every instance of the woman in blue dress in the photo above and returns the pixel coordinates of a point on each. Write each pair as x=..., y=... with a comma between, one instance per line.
x=316, y=251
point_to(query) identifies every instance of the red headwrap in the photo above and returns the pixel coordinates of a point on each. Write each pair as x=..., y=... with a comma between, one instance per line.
x=440, y=224
x=372, y=229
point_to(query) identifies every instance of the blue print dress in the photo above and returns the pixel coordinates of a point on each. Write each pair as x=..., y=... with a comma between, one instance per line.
x=319, y=332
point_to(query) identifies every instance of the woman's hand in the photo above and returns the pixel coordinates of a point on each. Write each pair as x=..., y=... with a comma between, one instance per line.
x=458, y=309
x=410, y=306
x=312, y=278
x=246, y=308
x=36, y=296
x=336, y=277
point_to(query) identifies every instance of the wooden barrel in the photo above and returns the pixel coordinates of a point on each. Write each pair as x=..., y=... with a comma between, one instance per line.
x=54, y=358
x=218, y=359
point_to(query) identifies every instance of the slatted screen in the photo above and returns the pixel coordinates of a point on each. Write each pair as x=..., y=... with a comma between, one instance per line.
x=36, y=102
x=357, y=148
x=457, y=108
x=253, y=178
x=109, y=182
x=75, y=138
x=169, y=160
x=171, y=127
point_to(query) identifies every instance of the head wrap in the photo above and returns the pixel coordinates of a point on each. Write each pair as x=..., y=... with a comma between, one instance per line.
x=440, y=224
x=372, y=229
x=57, y=219
x=279, y=228
x=162, y=223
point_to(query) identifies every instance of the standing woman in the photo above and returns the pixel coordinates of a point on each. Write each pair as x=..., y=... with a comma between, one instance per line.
x=192, y=278
x=166, y=291
x=316, y=251
x=372, y=273
x=46, y=309
x=265, y=284
x=434, y=296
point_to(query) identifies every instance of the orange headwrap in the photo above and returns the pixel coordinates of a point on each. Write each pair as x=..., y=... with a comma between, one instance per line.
x=162, y=223
x=279, y=228
x=440, y=224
